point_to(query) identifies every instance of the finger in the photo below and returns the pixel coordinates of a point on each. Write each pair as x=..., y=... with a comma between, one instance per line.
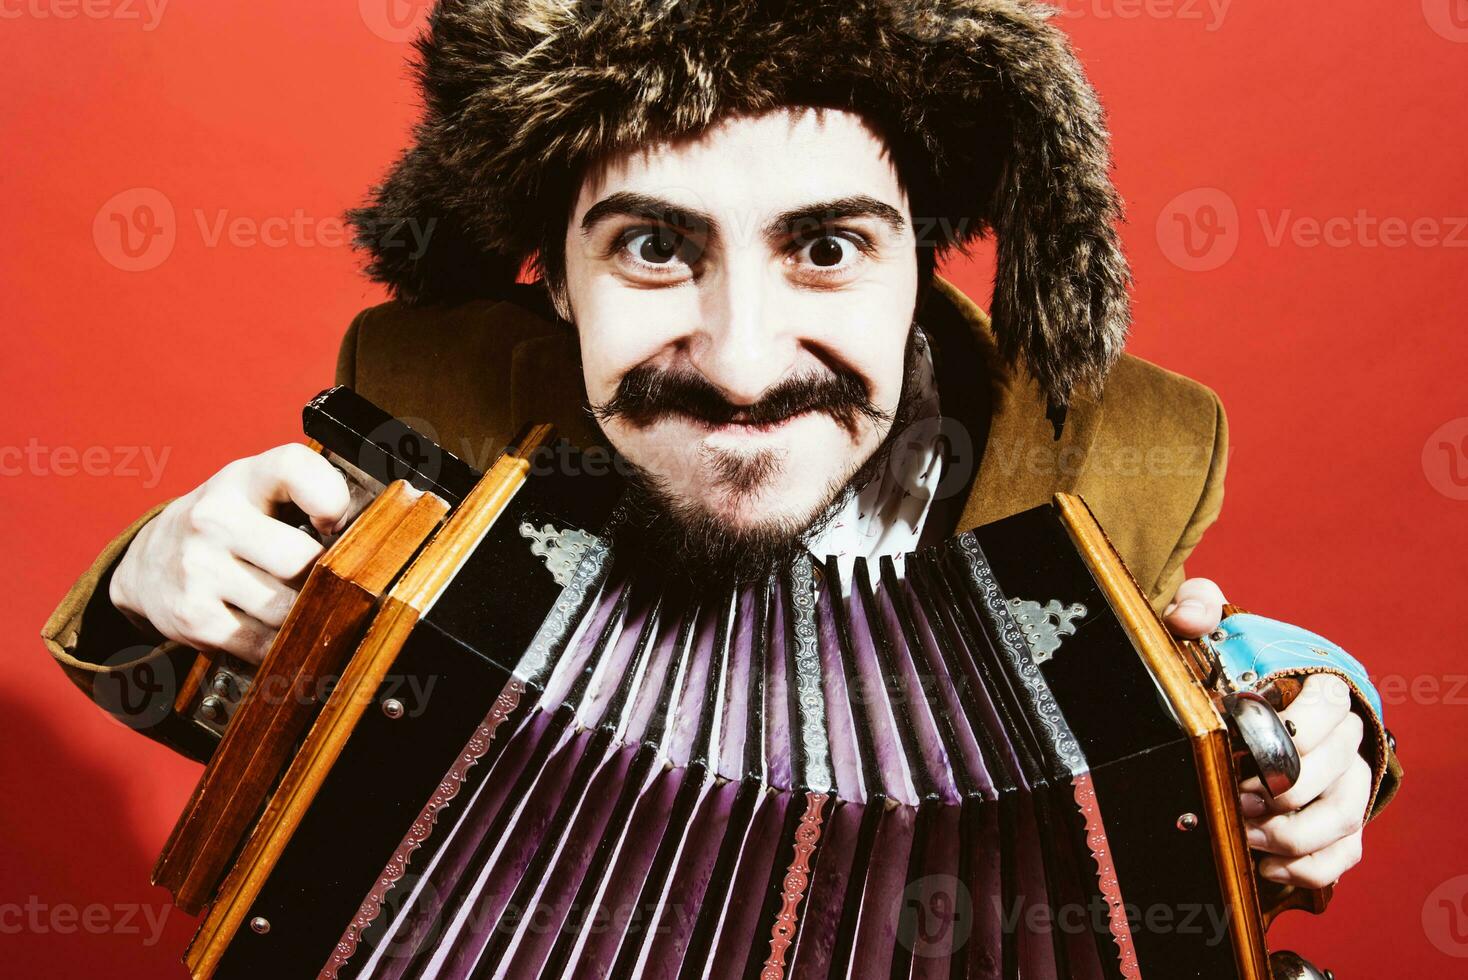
x=1323, y=702
x=1339, y=812
x=1196, y=608
x=221, y=627
x=256, y=593
x=1317, y=870
x=1322, y=765
x=250, y=640
x=273, y=546
x=295, y=474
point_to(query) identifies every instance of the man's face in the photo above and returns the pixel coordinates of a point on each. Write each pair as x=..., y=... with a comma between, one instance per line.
x=743, y=302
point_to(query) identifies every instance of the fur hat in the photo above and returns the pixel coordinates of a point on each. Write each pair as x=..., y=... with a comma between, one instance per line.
x=992, y=123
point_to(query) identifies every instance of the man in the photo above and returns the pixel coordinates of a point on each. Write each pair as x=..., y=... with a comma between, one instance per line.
x=735, y=212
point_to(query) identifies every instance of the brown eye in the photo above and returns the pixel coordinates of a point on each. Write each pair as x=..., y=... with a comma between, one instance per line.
x=827, y=251
x=657, y=248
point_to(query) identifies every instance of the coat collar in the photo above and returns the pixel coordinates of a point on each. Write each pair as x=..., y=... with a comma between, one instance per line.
x=1020, y=462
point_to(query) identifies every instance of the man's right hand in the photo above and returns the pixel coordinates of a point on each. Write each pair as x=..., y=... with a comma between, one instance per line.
x=216, y=570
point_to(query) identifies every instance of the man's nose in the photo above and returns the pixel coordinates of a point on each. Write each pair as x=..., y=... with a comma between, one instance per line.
x=744, y=344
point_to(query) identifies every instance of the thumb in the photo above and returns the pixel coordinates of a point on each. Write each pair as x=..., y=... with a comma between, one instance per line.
x=1196, y=609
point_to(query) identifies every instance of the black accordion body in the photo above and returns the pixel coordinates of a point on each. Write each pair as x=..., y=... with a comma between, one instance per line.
x=987, y=759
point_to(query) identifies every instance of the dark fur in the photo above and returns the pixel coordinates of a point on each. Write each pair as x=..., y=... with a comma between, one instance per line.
x=993, y=126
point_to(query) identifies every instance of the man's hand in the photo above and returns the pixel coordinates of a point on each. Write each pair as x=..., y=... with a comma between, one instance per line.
x=1312, y=833
x=215, y=569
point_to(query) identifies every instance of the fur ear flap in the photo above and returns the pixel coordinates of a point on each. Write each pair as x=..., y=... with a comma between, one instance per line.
x=1060, y=301
x=985, y=97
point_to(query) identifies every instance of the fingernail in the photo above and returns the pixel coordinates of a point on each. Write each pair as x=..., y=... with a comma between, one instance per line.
x=1272, y=873
x=1170, y=607
x=1256, y=837
x=1253, y=805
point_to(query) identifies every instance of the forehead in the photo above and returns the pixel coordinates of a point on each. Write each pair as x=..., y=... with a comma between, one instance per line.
x=750, y=165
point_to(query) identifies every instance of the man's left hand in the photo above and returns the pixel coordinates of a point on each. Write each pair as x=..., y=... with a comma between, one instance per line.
x=1312, y=833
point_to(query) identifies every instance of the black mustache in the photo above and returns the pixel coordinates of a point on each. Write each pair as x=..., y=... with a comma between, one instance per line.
x=646, y=394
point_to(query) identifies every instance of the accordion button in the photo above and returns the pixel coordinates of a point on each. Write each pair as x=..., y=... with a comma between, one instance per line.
x=393, y=708
x=212, y=708
x=1188, y=821
x=260, y=925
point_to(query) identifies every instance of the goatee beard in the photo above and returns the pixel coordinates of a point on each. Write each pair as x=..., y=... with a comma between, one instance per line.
x=692, y=545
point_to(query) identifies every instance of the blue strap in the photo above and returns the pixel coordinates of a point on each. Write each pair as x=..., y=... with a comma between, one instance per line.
x=1249, y=643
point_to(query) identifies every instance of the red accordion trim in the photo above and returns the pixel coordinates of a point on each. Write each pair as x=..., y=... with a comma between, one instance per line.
x=1121, y=931
x=448, y=788
x=782, y=933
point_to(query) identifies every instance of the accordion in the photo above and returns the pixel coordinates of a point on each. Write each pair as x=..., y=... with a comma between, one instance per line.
x=487, y=743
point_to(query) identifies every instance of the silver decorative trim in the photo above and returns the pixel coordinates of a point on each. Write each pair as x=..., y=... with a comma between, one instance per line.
x=1017, y=651
x=561, y=549
x=1043, y=626
x=567, y=613
x=810, y=691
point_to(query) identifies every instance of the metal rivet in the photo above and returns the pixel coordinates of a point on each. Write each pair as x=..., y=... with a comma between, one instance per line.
x=1248, y=677
x=224, y=684
x=212, y=708
x=260, y=925
x=393, y=708
x=1188, y=821
x=1290, y=727
x=1218, y=636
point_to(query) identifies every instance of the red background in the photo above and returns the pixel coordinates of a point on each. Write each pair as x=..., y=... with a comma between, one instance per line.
x=1338, y=364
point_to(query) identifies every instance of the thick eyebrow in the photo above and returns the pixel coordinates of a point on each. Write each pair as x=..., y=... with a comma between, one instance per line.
x=811, y=216
x=651, y=208
x=646, y=207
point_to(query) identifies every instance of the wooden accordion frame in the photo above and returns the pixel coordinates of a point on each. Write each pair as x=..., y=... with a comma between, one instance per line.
x=480, y=746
